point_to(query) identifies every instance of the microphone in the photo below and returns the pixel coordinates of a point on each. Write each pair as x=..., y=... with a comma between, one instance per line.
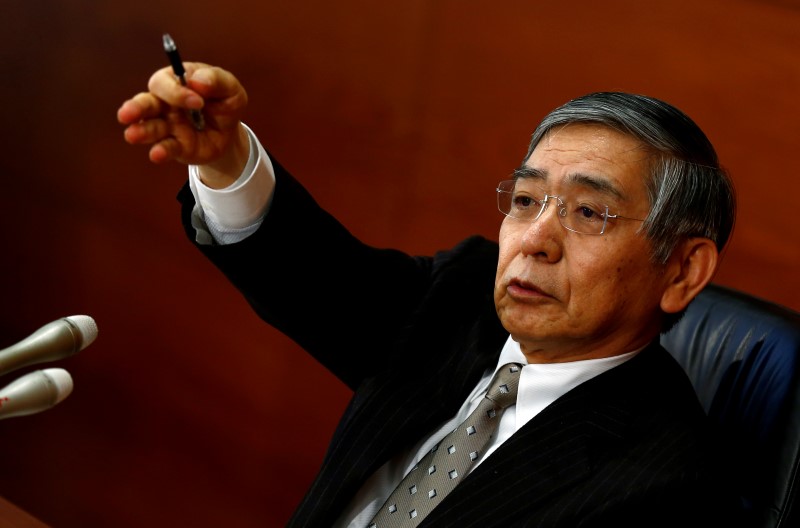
x=34, y=392
x=57, y=340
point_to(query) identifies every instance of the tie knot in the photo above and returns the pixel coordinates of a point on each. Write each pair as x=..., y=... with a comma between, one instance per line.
x=503, y=389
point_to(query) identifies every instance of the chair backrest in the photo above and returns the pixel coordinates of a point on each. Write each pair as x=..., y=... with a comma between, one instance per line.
x=743, y=357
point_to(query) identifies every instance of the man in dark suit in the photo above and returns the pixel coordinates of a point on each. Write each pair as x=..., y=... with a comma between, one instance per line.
x=614, y=222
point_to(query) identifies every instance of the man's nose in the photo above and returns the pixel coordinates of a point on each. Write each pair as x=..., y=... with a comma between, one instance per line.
x=543, y=237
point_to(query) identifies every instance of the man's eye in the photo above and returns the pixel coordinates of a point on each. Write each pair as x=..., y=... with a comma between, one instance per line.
x=525, y=202
x=522, y=201
x=588, y=213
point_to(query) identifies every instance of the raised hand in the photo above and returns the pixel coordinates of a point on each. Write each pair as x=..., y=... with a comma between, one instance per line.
x=159, y=118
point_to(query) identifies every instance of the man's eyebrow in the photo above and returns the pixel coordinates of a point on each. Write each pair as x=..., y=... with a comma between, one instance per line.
x=528, y=172
x=598, y=184
x=601, y=185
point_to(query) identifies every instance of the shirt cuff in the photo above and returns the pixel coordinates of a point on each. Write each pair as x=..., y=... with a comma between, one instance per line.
x=232, y=213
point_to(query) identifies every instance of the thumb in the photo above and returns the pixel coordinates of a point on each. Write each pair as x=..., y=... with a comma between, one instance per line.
x=213, y=82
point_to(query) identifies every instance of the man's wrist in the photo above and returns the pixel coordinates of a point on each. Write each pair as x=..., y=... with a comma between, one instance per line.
x=227, y=170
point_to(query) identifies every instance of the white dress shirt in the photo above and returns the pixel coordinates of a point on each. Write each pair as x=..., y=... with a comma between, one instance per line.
x=230, y=215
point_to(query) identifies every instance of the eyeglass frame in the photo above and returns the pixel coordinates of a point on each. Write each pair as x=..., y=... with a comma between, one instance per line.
x=560, y=211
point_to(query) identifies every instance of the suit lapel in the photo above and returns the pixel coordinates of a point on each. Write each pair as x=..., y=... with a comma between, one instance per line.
x=389, y=413
x=559, y=447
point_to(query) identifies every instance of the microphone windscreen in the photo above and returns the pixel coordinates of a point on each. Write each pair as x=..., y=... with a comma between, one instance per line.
x=86, y=327
x=62, y=381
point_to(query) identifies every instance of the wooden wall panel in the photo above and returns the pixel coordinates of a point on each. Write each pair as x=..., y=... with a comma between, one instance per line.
x=400, y=118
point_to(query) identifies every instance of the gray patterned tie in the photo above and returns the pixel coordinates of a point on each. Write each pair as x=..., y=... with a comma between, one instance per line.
x=448, y=462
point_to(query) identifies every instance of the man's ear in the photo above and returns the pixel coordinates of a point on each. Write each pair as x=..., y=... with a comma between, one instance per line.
x=690, y=268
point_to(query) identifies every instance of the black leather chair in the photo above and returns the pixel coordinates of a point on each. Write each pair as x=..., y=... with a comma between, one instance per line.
x=743, y=357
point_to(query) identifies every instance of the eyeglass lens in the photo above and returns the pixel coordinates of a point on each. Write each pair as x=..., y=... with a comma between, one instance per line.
x=524, y=200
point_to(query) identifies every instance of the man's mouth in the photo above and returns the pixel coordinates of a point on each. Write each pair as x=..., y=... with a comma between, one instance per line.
x=522, y=289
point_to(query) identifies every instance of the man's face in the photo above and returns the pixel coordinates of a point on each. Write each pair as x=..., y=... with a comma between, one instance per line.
x=566, y=296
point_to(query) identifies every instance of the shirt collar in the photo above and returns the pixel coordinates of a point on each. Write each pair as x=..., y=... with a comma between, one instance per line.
x=541, y=384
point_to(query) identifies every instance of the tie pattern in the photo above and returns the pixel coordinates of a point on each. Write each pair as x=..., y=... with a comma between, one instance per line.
x=439, y=471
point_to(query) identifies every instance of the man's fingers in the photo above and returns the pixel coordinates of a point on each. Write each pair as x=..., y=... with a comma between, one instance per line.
x=141, y=106
x=130, y=111
x=146, y=132
x=164, y=151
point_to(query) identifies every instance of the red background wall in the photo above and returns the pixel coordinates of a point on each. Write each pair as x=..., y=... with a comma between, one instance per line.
x=400, y=117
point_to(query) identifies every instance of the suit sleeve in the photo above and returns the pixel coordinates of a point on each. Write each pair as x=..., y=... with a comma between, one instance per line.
x=306, y=275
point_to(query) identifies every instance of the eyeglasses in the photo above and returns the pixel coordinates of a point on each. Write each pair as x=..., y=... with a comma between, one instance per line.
x=527, y=201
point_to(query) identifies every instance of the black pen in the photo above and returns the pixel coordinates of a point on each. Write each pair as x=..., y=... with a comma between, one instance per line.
x=177, y=67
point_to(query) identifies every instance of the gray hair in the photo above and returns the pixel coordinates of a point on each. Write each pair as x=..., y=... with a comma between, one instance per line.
x=690, y=194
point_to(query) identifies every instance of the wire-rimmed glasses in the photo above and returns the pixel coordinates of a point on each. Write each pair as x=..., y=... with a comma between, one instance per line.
x=525, y=200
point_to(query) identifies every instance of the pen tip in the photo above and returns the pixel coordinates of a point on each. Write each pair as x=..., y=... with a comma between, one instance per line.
x=169, y=44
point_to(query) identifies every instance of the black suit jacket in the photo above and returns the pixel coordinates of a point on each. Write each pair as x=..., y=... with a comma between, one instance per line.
x=626, y=448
